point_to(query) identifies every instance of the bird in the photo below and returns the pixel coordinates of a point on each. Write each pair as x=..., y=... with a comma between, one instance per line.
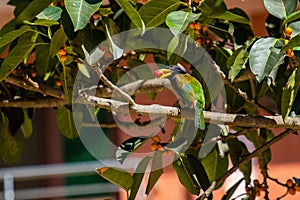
x=189, y=90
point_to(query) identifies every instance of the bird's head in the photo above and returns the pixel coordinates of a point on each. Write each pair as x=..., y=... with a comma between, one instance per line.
x=169, y=72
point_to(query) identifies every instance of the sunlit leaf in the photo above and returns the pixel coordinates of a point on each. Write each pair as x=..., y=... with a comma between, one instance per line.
x=80, y=12
x=281, y=8
x=292, y=17
x=289, y=93
x=264, y=59
x=186, y=175
x=114, y=48
x=296, y=28
x=41, y=22
x=51, y=13
x=84, y=70
x=138, y=177
x=116, y=176
x=128, y=147
x=178, y=21
x=156, y=171
x=154, y=12
x=32, y=10
x=92, y=57
x=65, y=122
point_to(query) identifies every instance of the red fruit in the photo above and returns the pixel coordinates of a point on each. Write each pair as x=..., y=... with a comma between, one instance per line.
x=34, y=74
x=156, y=138
x=58, y=83
x=192, y=25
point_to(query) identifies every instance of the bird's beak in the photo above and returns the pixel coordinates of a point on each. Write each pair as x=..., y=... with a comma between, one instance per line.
x=162, y=73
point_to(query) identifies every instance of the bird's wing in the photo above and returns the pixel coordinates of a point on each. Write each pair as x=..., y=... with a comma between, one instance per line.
x=185, y=89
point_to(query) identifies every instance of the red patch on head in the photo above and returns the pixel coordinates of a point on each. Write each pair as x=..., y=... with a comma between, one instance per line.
x=158, y=73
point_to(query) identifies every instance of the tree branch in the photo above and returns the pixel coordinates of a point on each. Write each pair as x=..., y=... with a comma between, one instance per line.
x=29, y=84
x=37, y=103
x=253, y=154
x=238, y=120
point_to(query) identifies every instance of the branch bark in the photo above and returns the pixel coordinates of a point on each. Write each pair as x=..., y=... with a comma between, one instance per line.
x=28, y=84
x=238, y=120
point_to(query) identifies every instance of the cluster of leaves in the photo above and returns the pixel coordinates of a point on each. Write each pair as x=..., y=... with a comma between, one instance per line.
x=45, y=40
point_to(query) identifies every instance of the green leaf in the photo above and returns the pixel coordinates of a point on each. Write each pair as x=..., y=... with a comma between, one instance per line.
x=264, y=59
x=154, y=12
x=11, y=36
x=83, y=69
x=41, y=22
x=185, y=174
x=296, y=28
x=32, y=10
x=58, y=40
x=178, y=21
x=133, y=14
x=14, y=58
x=222, y=56
x=80, y=12
x=289, y=93
x=264, y=136
x=27, y=125
x=240, y=60
x=232, y=17
x=43, y=60
x=51, y=13
x=128, y=147
x=209, y=7
x=292, y=17
x=215, y=166
x=114, y=48
x=177, y=47
x=295, y=41
x=116, y=176
x=11, y=147
x=156, y=171
x=138, y=177
x=281, y=8
x=237, y=151
x=92, y=57
x=231, y=190
x=65, y=122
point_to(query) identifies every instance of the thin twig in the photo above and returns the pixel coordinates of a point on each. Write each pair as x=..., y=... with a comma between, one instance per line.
x=238, y=90
x=253, y=154
x=112, y=86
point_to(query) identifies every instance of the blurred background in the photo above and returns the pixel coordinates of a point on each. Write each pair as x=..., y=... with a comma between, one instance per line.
x=53, y=167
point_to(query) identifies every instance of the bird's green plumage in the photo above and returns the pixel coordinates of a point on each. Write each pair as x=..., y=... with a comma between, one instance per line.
x=191, y=92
